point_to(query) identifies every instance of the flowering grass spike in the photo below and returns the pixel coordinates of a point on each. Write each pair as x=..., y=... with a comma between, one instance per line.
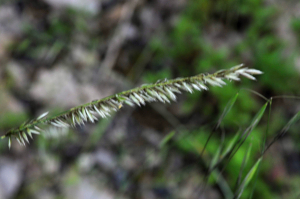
x=162, y=91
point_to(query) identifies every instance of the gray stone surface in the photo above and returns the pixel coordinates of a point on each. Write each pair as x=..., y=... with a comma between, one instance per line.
x=59, y=88
x=105, y=159
x=10, y=177
x=87, y=189
x=91, y=6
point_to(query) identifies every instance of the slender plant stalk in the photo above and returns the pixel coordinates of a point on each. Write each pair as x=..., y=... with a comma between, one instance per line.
x=162, y=91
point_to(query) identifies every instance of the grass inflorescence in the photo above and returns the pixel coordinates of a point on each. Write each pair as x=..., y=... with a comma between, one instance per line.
x=161, y=91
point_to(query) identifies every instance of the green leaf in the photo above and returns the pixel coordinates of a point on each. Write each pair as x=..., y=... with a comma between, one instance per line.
x=246, y=133
x=258, y=116
x=216, y=158
x=227, y=109
x=248, y=153
x=284, y=130
x=245, y=160
x=166, y=139
x=255, y=121
x=231, y=145
x=247, y=179
x=291, y=122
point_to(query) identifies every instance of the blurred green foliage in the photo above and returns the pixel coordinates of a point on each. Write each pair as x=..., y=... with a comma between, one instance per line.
x=260, y=48
x=52, y=37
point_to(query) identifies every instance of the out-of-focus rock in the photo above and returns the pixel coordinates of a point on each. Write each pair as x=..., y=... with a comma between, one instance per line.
x=105, y=159
x=114, y=15
x=51, y=164
x=153, y=159
x=283, y=25
x=45, y=194
x=56, y=87
x=86, y=162
x=297, y=63
x=117, y=134
x=92, y=6
x=172, y=5
x=152, y=136
x=192, y=187
x=59, y=88
x=83, y=57
x=9, y=103
x=19, y=75
x=87, y=188
x=216, y=37
x=289, y=10
x=5, y=41
x=10, y=27
x=128, y=162
x=10, y=177
x=88, y=92
x=150, y=20
x=129, y=31
x=10, y=22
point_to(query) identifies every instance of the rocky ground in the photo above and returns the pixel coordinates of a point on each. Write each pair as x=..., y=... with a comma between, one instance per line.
x=57, y=54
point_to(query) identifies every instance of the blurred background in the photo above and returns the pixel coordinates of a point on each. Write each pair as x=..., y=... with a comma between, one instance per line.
x=57, y=54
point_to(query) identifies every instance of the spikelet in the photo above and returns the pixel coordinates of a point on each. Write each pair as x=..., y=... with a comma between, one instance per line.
x=161, y=91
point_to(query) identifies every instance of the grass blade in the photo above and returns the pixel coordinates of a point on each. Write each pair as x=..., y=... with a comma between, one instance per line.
x=231, y=145
x=227, y=108
x=258, y=116
x=254, y=122
x=215, y=159
x=225, y=112
x=245, y=160
x=291, y=122
x=247, y=179
x=284, y=130
x=166, y=139
x=247, y=132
